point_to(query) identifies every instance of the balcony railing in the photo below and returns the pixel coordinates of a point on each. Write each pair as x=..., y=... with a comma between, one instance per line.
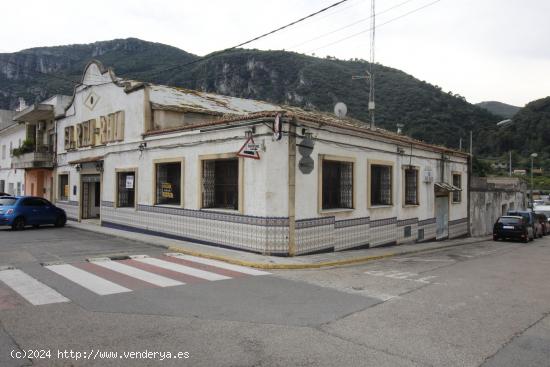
x=42, y=157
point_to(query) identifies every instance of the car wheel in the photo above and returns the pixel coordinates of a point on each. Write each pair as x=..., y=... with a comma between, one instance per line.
x=18, y=224
x=60, y=221
x=525, y=240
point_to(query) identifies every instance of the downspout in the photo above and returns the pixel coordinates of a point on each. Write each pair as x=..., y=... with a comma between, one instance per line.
x=468, y=186
x=292, y=188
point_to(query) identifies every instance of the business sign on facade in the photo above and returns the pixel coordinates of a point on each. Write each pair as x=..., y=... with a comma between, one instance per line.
x=167, y=190
x=129, y=182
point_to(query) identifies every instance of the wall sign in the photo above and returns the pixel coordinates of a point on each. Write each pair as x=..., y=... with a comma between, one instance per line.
x=167, y=190
x=249, y=149
x=129, y=182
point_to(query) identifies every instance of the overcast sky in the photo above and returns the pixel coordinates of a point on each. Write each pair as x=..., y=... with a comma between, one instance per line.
x=480, y=49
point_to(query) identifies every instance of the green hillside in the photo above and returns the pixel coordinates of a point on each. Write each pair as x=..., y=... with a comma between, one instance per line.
x=427, y=112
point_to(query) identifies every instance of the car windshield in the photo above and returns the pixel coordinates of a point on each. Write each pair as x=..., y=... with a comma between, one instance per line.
x=509, y=220
x=7, y=201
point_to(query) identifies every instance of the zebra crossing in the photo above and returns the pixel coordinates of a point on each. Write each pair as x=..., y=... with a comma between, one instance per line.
x=106, y=277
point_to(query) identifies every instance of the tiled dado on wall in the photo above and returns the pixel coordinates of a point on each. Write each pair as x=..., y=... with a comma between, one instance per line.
x=70, y=207
x=257, y=234
x=269, y=235
x=458, y=228
x=426, y=230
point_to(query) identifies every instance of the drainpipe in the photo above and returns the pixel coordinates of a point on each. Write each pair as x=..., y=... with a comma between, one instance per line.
x=468, y=187
x=292, y=188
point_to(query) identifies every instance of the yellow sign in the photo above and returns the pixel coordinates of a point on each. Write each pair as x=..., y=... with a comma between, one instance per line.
x=66, y=191
x=167, y=190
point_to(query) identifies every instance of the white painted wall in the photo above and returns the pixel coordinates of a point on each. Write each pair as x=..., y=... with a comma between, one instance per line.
x=13, y=135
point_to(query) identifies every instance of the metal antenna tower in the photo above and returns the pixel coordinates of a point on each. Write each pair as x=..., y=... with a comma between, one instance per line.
x=370, y=73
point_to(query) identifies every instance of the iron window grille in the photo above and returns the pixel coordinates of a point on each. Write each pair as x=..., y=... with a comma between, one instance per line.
x=126, y=192
x=381, y=185
x=411, y=186
x=337, y=184
x=220, y=183
x=168, y=183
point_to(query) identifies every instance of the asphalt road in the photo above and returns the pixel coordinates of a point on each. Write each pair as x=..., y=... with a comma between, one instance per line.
x=485, y=304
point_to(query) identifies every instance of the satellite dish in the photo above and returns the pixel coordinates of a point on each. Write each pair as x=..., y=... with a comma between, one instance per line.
x=340, y=109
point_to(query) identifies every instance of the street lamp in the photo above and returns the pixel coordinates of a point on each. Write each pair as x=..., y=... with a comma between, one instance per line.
x=533, y=156
x=502, y=124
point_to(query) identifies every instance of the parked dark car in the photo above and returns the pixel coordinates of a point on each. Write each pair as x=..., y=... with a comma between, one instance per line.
x=18, y=212
x=543, y=220
x=4, y=194
x=512, y=227
x=536, y=228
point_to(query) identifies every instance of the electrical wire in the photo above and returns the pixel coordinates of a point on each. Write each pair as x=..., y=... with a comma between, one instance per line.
x=378, y=26
x=217, y=53
x=43, y=73
x=348, y=25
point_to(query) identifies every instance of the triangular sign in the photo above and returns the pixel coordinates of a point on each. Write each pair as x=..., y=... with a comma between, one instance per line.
x=249, y=149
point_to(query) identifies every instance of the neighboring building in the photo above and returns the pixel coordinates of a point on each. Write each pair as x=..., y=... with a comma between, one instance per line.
x=491, y=197
x=520, y=172
x=160, y=160
x=12, y=181
x=38, y=156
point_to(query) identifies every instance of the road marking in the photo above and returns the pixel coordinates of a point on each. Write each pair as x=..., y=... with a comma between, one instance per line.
x=219, y=264
x=182, y=269
x=32, y=290
x=143, y=275
x=394, y=274
x=88, y=280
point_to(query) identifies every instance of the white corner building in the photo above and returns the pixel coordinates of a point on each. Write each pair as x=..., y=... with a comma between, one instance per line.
x=173, y=162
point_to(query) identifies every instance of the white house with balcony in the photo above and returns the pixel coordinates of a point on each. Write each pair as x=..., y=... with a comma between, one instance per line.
x=247, y=174
x=12, y=181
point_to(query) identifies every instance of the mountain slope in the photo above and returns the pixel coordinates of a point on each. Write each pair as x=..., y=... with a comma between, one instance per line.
x=499, y=108
x=277, y=76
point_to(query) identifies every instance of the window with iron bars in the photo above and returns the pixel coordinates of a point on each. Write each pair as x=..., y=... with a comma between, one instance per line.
x=411, y=186
x=126, y=192
x=337, y=183
x=380, y=185
x=220, y=183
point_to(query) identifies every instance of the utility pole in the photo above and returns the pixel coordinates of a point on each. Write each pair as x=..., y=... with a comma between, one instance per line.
x=533, y=155
x=510, y=164
x=370, y=73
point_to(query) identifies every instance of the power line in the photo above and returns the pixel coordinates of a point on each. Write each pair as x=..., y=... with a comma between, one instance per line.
x=217, y=53
x=380, y=25
x=349, y=25
x=43, y=73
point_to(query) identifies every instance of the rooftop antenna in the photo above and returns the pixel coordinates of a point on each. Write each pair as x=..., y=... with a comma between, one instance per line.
x=370, y=73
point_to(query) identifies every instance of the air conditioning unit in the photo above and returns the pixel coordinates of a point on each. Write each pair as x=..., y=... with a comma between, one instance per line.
x=428, y=176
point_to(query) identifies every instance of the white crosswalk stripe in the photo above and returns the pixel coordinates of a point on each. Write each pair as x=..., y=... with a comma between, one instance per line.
x=32, y=290
x=182, y=269
x=146, y=276
x=220, y=264
x=87, y=280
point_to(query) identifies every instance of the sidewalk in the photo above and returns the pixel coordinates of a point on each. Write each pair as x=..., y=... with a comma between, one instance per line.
x=276, y=262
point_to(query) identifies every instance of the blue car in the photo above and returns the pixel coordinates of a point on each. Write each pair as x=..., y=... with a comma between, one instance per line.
x=19, y=212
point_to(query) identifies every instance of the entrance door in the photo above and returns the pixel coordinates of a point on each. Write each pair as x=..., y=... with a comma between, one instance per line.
x=442, y=217
x=91, y=196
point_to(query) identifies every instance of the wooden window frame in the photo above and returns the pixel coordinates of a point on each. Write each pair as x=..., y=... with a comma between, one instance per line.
x=335, y=158
x=208, y=157
x=57, y=196
x=127, y=170
x=453, y=174
x=182, y=179
x=404, y=190
x=390, y=164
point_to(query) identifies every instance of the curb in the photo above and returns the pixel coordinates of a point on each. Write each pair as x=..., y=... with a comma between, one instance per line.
x=267, y=266
x=354, y=260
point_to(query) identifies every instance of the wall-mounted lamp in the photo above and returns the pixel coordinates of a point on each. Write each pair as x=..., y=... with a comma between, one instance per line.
x=400, y=150
x=78, y=167
x=251, y=132
x=142, y=146
x=99, y=166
